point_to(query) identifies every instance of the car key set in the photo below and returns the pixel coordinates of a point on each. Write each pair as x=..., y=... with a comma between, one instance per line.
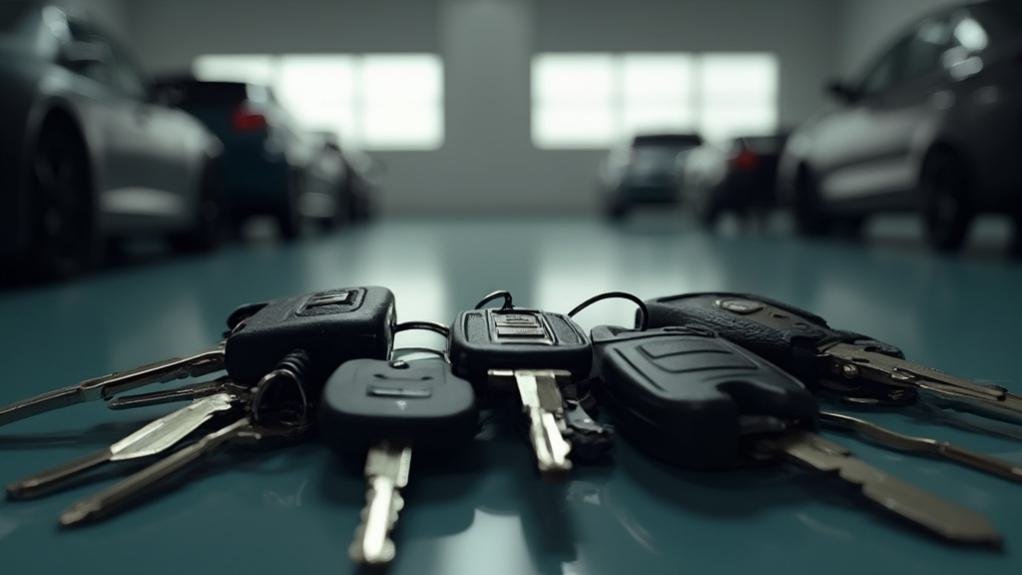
x=710, y=381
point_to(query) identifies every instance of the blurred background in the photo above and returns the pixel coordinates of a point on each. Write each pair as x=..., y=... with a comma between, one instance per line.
x=195, y=123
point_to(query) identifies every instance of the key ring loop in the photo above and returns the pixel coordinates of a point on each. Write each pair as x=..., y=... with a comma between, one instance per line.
x=433, y=326
x=508, y=303
x=267, y=383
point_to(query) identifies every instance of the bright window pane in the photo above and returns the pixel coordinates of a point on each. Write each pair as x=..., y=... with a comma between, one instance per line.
x=567, y=126
x=573, y=78
x=256, y=69
x=656, y=93
x=392, y=101
x=402, y=101
x=572, y=97
x=739, y=95
x=320, y=92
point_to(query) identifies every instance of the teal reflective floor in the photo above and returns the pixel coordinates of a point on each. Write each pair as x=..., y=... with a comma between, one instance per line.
x=294, y=511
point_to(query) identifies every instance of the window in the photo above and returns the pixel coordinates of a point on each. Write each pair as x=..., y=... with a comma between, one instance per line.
x=595, y=100
x=372, y=101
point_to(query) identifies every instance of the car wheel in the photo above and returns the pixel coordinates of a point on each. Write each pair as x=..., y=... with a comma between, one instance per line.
x=810, y=217
x=64, y=238
x=617, y=211
x=1015, y=249
x=708, y=215
x=210, y=224
x=849, y=227
x=288, y=217
x=946, y=210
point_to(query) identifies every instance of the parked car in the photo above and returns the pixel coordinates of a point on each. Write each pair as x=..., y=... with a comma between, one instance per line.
x=739, y=176
x=934, y=125
x=271, y=165
x=355, y=195
x=85, y=152
x=645, y=171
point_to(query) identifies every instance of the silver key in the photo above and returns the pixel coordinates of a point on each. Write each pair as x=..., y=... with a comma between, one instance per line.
x=107, y=386
x=154, y=438
x=386, y=471
x=923, y=445
x=543, y=405
x=134, y=487
x=285, y=420
x=943, y=518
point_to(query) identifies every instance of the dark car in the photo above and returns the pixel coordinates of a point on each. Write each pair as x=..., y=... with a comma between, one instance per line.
x=646, y=171
x=85, y=153
x=934, y=125
x=357, y=190
x=738, y=177
x=271, y=165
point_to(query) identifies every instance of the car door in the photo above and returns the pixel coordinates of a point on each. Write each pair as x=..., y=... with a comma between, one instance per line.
x=870, y=143
x=153, y=154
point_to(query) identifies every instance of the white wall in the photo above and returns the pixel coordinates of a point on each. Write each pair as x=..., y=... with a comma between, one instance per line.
x=488, y=163
x=867, y=25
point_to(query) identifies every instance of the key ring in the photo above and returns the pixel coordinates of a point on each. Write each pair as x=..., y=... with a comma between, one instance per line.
x=432, y=326
x=291, y=369
x=508, y=303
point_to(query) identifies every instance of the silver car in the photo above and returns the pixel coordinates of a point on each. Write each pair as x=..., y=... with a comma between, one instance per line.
x=934, y=125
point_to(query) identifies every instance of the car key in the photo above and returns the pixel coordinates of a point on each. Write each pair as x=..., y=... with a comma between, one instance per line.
x=533, y=351
x=152, y=439
x=386, y=409
x=276, y=410
x=697, y=400
x=860, y=369
x=331, y=326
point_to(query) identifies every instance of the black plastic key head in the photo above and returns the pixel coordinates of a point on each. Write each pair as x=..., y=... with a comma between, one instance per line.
x=692, y=398
x=331, y=327
x=491, y=339
x=783, y=334
x=418, y=403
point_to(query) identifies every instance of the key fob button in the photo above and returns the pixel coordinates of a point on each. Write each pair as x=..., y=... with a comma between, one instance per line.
x=740, y=306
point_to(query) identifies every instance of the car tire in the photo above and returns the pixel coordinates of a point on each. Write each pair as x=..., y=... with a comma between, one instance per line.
x=708, y=216
x=944, y=198
x=849, y=227
x=811, y=219
x=616, y=211
x=288, y=217
x=64, y=238
x=210, y=226
x=1015, y=248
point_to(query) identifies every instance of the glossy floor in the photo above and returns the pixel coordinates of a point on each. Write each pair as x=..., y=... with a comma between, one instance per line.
x=294, y=511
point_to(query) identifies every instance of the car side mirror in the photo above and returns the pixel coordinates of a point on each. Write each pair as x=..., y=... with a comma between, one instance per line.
x=842, y=92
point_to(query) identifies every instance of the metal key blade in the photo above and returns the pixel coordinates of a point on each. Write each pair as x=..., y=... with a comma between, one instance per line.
x=107, y=386
x=541, y=402
x=154, y=438
x=135, y=486
x=41, y=403
x=943, y=518
x=938, y=387
x=387, y=469
x=924, y=445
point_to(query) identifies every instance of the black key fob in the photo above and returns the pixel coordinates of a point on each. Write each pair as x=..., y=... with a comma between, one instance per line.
x=692, y=398
x=419, y=403
x=783, y=334
x=487, y=339
x=331, y=326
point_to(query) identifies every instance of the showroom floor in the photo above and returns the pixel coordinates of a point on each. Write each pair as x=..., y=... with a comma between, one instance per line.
x=294, y=511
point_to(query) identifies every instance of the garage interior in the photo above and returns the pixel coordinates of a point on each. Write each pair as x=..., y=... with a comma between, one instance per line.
x=487, y=177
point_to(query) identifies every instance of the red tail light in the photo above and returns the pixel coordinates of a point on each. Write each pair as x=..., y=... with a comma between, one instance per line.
x=745, y=161
x=246, y=120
